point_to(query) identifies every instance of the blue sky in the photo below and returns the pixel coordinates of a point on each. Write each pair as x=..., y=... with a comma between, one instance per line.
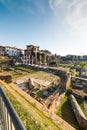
x=57, y=25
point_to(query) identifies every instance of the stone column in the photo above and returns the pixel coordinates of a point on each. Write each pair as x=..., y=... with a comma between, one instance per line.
x=29, y=59
x=26, y=59
x=32, y=59
x=45, y=58
x=36, y=55
x=40, y=59
x=23, y=59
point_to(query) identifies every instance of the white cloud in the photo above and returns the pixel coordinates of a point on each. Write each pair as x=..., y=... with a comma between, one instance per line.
x=54, y=4
x=74, y=12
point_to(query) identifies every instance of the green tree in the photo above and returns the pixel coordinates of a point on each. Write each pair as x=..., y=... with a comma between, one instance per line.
x=83, y=64
x=82, y=67
x=53, y=63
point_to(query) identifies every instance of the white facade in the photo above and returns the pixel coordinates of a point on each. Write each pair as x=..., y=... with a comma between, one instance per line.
x=12, y=51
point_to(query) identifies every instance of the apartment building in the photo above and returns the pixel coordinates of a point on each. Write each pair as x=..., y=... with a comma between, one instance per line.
x=12, y=51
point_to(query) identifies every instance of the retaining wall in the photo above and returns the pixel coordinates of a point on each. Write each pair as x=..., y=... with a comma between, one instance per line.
x=62, y=73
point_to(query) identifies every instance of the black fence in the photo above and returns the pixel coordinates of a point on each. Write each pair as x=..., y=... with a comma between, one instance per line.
x=9, y=117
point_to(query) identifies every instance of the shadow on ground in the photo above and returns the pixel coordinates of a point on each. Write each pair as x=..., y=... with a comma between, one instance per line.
x=68, y=115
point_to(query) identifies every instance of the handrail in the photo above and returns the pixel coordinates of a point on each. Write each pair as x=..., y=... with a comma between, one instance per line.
x=15, y=120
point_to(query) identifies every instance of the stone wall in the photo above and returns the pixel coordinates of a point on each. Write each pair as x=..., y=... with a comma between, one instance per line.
x=62, y=73
x=6, y=77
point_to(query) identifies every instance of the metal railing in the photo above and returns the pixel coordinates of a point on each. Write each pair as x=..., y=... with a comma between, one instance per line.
x=9, y=117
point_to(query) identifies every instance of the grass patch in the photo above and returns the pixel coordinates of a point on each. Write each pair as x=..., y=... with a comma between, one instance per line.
x=25, y=115
x=81, y=104
x=4, y=59
x=65, y=112
x=29, y=120
x=40, y=113
x=24, y=68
